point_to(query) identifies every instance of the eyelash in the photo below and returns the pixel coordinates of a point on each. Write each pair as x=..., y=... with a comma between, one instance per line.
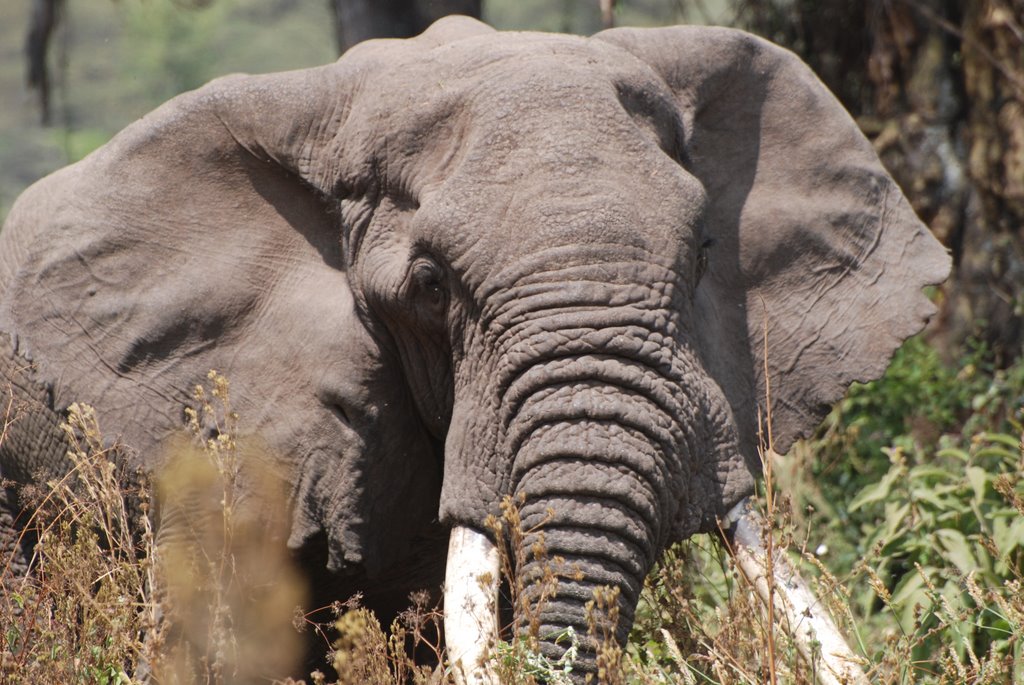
x=702, y=257
x=428, y=279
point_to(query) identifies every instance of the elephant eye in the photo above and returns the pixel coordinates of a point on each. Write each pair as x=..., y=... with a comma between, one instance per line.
x=702, y=258
x=427, y=280
x=427, y=274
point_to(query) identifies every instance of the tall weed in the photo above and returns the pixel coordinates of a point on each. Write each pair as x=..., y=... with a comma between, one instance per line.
x=906, y=510
x=82, y=614
x=106, y=603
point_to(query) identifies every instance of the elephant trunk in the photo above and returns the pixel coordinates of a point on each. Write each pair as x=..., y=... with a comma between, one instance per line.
x=587, y=580
x=586, y=406
x=596, y=454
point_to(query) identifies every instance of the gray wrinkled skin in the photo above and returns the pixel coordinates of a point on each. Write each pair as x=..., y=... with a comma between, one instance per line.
x=474, y=264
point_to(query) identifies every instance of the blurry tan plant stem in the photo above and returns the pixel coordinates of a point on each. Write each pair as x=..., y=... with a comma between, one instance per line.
x=228, y=584
x=788, y=599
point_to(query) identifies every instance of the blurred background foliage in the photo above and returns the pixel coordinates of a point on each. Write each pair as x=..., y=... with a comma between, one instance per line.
x=911, y=492
x=111, y=62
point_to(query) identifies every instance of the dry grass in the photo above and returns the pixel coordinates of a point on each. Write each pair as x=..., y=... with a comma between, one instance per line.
x=84, y=612
x=106, y=604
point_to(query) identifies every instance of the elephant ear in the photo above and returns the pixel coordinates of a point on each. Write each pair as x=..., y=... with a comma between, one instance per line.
x=202, y=237
x=818, y=261
x=208, y=235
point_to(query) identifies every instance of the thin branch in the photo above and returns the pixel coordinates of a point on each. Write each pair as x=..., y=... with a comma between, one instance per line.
x=1015, y=79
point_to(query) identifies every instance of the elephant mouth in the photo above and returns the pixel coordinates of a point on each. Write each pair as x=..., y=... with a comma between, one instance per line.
x=340, y=413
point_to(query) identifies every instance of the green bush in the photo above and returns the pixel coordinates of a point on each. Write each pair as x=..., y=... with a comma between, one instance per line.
x=907, y=508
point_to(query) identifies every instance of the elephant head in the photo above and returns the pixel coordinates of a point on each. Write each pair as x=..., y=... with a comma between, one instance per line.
x=475, y=264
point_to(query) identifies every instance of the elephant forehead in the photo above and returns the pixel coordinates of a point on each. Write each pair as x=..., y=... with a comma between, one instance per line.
x=495, y=209
x=394, y=70
x=418, y=113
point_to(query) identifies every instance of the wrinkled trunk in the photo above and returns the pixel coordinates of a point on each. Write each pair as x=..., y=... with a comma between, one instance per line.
x=595, y=417
x=594, y=449
x=598, y=575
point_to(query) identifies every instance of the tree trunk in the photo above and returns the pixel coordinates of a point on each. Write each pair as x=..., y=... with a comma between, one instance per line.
x=990, y=280
x=42, y=21
x=359, y=20
x=939, y=87
x=608, y=13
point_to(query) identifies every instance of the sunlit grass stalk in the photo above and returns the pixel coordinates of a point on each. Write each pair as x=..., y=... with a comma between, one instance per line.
x=766, y=453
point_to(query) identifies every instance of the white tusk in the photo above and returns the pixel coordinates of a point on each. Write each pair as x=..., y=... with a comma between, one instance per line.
x=802, y=615
x=471, y=606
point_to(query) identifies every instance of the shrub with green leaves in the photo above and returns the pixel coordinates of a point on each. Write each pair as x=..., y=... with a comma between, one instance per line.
x=907, y=508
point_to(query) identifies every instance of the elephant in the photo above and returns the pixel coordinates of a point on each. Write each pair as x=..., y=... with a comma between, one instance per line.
x=469, y=265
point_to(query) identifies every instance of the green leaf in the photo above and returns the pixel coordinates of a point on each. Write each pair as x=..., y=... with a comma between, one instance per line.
x=876, y=492
x=1011, y=441
x=978, y=478
x=1008, y=537
x=935, y=473
x=910, y=592
x=895, y=514
x=955, y=453
x=958, y=549
x=1000, y=452
x=938, y=503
